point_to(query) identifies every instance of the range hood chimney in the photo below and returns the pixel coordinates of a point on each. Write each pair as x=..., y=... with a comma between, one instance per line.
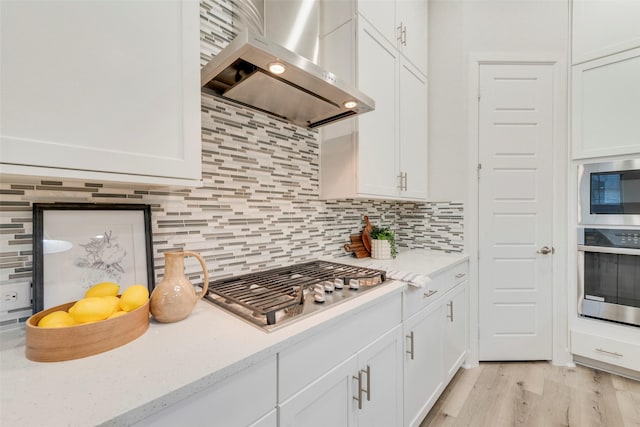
x=258, y=72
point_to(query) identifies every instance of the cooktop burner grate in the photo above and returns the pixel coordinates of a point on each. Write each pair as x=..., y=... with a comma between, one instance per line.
x=259, y=296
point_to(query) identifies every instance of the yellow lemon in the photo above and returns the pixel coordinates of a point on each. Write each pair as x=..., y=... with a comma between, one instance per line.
x=117, y=314
x=56, y=319
x=115, y=302
x=91, y=309
x=103, y=289
x=133, y=297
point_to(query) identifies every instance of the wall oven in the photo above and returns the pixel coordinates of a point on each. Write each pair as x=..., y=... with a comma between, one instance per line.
x=609, y=193
x=609, y=274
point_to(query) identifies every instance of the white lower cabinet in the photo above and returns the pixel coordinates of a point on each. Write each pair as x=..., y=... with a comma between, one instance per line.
x=423, y=376
x=247, y=398
x=455, y=329
x=435, y=340
x=625, y=354
x=364, y=390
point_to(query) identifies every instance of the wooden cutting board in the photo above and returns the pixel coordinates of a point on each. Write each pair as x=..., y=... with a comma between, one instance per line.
x=357, y=247
x=366, y=234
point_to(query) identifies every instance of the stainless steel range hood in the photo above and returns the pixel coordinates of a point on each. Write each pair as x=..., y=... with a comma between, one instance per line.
x=304, y=93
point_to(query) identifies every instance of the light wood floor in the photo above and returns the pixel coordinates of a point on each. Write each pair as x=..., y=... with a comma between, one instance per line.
x=500, y=394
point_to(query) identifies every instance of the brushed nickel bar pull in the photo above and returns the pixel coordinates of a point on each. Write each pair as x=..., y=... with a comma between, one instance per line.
x=399, y=38
x=612, y=353
x=429, y=293
x=450, y=315
x=404, y=36
x=460, y=275
x=410, y=352
x=359, y=398
x=368, y=390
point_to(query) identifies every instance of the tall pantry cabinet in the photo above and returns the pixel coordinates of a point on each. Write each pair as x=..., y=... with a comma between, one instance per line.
x=381, y=47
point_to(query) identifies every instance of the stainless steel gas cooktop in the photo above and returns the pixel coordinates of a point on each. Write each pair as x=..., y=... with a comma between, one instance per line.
x=273, y=298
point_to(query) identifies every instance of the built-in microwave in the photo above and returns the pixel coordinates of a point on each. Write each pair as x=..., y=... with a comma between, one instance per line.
x=609, y=193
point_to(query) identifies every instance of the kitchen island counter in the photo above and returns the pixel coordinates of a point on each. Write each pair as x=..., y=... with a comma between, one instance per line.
x=170, y=362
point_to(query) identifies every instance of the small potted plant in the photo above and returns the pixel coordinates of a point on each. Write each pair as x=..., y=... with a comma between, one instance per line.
x=383, y=243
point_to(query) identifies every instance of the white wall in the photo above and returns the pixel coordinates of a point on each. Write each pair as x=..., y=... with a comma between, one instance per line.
x=458, y=28
x=473, y=30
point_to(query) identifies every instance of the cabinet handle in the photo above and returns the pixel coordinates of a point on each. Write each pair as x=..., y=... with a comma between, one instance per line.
x=359, y=398
x=406, y=185
x=429, y=293
x=403, y=181
x=368, y=390
x=450, y=315
x=404, y=36
x=410, y=351
x=460, y=275
x=400, y=32
x=612, y=353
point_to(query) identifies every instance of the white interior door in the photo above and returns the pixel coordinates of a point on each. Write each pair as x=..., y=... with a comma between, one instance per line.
x=515, y=211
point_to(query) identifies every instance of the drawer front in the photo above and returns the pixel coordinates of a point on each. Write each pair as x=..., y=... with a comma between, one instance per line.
x=307, y=360
x=416, y=299
x=614, y=352
x=459, y=274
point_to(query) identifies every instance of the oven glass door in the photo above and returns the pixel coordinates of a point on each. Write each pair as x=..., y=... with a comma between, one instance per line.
x=612, y=278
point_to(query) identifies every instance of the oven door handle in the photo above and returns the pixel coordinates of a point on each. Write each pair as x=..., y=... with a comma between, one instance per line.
x=609, y=250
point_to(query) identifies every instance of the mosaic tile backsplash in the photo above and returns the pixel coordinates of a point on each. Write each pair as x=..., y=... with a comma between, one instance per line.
x=258, y=207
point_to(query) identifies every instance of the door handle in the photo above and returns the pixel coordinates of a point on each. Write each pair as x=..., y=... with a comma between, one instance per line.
x=546, y=250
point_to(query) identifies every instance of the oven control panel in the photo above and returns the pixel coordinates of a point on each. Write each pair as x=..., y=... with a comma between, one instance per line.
x=610, y=237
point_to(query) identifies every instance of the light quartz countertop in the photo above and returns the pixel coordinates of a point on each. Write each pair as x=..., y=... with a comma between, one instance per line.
x=170, y=362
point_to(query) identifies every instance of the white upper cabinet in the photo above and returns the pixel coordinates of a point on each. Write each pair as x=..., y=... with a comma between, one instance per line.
x=381, y=154
x=101, y=90
x=604, y=27
x=401, y=22
x=605, y=106
x=605, y=86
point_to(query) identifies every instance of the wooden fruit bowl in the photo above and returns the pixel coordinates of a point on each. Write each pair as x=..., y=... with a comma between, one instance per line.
x=74, y=342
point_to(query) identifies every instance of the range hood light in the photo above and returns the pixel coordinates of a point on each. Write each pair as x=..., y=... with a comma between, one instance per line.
x=350, y=104
x=277, y=68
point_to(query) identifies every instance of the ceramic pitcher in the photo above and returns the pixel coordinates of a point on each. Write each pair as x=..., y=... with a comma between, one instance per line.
x=174, y=297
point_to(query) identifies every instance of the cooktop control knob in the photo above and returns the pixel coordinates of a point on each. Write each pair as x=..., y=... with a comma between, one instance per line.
x=338, y=283
x=318, y=294
x=354, y=284
x=329, y=287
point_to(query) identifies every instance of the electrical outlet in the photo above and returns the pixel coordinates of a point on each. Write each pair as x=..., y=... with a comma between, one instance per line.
x=14, y=296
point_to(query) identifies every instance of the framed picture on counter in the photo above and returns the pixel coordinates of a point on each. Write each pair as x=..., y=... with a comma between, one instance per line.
x=77, y=245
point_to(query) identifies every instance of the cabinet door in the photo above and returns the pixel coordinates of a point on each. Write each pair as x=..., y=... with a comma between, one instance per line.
x=413, y=16
x=94, y=89
x=382, y=15
x=413, y=132
x=423, y=376
x=604, y=27
x=606, y=106
x=381, y=370
x=328, y=401
x=455, y=329
x=377, y=137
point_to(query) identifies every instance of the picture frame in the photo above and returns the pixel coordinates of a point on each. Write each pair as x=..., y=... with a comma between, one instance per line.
x=77, y=245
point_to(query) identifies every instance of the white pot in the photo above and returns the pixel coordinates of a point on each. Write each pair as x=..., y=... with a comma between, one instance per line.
x=380, y=249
